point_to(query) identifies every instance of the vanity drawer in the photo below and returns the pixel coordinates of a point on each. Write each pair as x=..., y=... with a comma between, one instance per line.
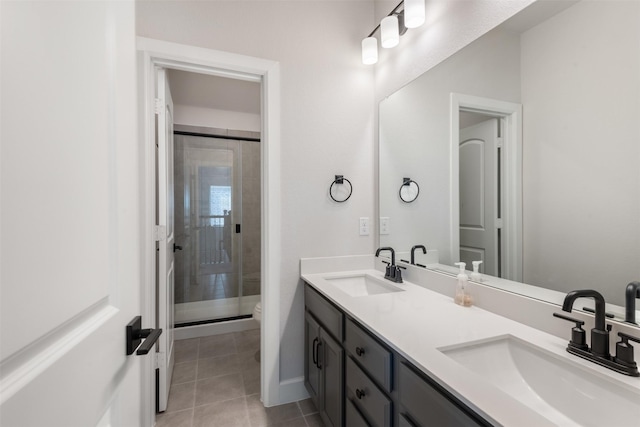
x=367, y=397
x=374, y=358
x=326, y=313
x=428, y=404
x=353, y=417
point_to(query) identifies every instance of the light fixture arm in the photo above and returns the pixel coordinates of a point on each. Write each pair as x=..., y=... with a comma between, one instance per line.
x=400, y=15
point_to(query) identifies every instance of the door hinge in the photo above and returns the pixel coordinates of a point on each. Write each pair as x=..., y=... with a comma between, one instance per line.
x=159, y=232
x=499, y=142
x=159, y=106
x=159, y=362
x=498, y=223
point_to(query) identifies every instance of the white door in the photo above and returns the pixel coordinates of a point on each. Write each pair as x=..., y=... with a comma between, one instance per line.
x=166, y=270
x=71, y=219
x=479, y=222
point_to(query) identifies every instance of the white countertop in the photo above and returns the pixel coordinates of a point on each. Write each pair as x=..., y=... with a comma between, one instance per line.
x=418, y=321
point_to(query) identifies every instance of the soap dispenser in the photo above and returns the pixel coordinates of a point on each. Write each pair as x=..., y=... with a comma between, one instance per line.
x=476, y=276
x=462, y=296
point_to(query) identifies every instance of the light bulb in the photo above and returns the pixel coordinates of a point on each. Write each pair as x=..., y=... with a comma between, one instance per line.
x=413, y=13
x=390, y=32
x=369, y=50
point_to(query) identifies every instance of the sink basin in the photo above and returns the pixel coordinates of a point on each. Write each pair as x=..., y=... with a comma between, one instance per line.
x=563, y=392
x=359, y=285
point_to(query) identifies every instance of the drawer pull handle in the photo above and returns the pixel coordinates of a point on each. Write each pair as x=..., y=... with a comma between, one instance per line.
x=359, y=351
x=359, y=393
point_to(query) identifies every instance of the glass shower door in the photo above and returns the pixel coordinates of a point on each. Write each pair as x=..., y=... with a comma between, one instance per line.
x=208, y=197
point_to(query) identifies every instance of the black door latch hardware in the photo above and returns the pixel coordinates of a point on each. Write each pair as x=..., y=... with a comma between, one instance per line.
x=135, y=334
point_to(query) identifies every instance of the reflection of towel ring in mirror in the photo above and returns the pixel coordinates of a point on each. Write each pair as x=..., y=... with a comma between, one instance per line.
x=410, y=192
x=340, y=180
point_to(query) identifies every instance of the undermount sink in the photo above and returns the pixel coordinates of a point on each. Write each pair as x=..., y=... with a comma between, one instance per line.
x=564, y=393
x=359, y=285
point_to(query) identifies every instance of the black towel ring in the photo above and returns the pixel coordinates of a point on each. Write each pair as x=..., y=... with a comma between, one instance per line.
x=340, y=180
x=406, y=184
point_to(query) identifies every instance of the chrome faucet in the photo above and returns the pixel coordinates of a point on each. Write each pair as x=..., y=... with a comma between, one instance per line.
x=623, y=362
x=632, y=292
x=392, y=271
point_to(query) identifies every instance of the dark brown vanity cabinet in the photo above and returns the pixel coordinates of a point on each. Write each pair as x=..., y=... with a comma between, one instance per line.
x=356, y=380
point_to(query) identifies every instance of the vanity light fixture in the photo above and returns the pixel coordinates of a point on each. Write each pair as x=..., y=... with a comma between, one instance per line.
x=413, y=13
x=389, y=32
x=369, y=50
x=395, y=24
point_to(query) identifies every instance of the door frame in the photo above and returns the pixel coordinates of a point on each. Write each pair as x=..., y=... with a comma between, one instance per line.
x=511, y=188
x=153, y=53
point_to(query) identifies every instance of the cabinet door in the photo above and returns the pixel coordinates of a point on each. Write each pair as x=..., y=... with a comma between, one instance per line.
x=311, y=370
x=332, y=367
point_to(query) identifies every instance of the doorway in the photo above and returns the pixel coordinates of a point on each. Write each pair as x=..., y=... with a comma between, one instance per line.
x=499, y=165
x=157, y=53
x=200, y=201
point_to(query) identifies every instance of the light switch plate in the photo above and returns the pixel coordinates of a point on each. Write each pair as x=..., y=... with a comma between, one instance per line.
x=364, y=226
x=385, y=225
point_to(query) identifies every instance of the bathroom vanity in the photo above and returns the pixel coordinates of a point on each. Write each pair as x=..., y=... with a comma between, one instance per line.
x=354, y=376
x=400, y=354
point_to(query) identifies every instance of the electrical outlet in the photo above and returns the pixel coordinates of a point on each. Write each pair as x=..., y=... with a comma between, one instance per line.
x=364, y=226
x=385, y=225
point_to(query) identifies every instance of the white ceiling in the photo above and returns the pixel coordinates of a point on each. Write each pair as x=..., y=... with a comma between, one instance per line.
x=221, y=93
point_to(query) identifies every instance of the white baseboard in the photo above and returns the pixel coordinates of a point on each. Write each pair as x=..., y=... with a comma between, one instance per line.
x=209, y=329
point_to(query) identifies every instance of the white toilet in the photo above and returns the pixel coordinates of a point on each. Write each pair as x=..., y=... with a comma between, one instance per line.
x=257, y=315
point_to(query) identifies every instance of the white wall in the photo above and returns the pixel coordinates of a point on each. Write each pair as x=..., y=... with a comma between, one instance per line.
x=327, y=121
x=213, y=118
x=581, y=177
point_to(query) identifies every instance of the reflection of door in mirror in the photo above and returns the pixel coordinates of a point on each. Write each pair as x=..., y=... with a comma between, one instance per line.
x=480, y=194
x=486, y=148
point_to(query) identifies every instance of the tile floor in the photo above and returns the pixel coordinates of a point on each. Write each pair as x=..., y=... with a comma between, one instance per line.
x=216, y=382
